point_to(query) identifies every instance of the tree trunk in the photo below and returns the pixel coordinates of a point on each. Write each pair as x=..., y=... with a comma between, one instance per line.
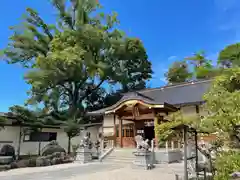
x=69, y=144
x=19, y=143
x=39, y=146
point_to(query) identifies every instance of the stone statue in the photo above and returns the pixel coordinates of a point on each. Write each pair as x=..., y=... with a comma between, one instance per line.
x=143, y=156
x=86, y=142
x=84, y=152
x=141, y=144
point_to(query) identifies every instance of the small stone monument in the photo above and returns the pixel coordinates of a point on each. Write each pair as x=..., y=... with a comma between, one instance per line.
x=84, y=152
x=143, y=156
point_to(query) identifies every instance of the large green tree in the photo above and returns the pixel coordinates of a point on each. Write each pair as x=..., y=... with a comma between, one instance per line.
x=230, y=56
x=223, y=104
x=202, y=66
x=194, y=67
x=178, y=72
x=69, y=63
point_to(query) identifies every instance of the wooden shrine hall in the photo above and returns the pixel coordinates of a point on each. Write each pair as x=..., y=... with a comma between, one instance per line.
x=137, y=112
x=140, y=113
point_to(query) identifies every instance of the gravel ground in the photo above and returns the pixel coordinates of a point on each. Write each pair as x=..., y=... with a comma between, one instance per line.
x=92, y=171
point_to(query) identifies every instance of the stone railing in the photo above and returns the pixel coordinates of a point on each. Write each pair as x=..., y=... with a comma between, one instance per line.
x=107, y=144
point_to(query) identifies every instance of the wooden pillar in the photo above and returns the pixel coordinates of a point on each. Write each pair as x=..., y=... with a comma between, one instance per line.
x=179, y=144
x=120, y=133
x=134, y=129
x=156, y=122
x=172, y=144
x=166, y=146
x=115, y=130
x=156, y=138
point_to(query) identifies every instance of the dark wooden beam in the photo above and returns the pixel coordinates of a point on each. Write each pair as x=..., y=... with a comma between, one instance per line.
x=140, y=117
x=115, y=130
x=120, y=132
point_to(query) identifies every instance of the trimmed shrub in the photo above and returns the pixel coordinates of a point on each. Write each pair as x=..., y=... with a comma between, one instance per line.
x=7, y=150
x=20, y=164
x=4, y=167
x=13, y=165
x=51, y=148
x=32, y=162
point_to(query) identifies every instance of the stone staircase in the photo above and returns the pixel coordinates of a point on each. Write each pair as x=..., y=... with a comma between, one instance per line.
x=120, y=155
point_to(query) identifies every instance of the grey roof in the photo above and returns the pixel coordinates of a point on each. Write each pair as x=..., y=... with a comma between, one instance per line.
x=178, y=94
x=185, y=93
x=127, y=97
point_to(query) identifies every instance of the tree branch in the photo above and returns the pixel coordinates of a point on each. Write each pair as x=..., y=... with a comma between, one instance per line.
x=90, y=91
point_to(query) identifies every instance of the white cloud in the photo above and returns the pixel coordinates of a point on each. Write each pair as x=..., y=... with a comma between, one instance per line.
x=163, y=80
x=228, y=15
x=170, y=58
x=225, y=5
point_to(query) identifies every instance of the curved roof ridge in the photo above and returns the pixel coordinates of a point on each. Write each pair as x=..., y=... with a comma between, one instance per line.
x=147, y=97
x=176, y=85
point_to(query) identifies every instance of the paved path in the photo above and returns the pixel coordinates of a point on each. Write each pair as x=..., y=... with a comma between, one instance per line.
x=99, y=171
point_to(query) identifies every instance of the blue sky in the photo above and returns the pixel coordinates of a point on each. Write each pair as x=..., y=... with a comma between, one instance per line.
x=170, y=30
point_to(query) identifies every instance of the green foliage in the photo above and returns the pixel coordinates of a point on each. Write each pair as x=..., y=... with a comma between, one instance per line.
x=207, y=71
x=69, y=62
x=165, y=131
x=2, y=121
x=223, y=103
x=230, y=56
x=202, y=66
x=226, y=164
x=197, y=59
x=178, y=72
x=72, y=129
x=36, y=119
x=192, y=68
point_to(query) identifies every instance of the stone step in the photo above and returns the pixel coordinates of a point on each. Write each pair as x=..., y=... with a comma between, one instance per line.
x=124, y=158
x=120, y=156
x=118, y=161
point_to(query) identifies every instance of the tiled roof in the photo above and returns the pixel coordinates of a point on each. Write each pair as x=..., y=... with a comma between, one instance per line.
x=126, y=97
x=184, y=93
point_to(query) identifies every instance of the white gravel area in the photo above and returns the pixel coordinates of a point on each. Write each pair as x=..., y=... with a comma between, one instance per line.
x=128, y=174
x=41, y=169
x=93, y=171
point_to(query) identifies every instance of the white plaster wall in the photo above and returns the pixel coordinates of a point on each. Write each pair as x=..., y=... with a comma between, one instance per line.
x=202, y=111
x=109, y=121
x=94, y=131
x=12, y=134
x=108, y=124
x=108, y=131
x=189, y=110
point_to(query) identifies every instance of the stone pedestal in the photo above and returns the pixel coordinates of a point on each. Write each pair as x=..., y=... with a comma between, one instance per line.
x=83, y=155
x=143, y=159
x=161, y=156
